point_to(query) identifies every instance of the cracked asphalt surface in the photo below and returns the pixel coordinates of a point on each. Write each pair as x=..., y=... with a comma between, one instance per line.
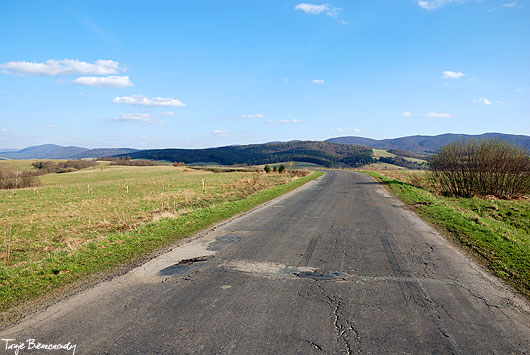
x=338, y=266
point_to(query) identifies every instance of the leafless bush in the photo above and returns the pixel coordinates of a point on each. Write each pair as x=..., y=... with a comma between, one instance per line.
x=298, y=173
x=47, y=166
x=43, y=165
x=10, y=179
x=485, y=167
x=78, y=164
x=137, y=162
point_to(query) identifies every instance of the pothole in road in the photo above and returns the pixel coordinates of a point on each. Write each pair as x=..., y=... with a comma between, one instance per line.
x=183, y=266
x=221, y=242
x=321, y=276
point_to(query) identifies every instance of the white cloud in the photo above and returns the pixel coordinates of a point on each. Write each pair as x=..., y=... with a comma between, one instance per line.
x=430, y=114
x=53, y=67
x=3, y=130
x=136, y=117
x=294, y=120
x=285, y=80
x=104, y=81
x=334, y=12
x=258, y=115
x=519, y=90
x=318, y=9
x=311, y=9
x=433, y=114
x=221, y=133
x=448, y=74
x=289, y=121
x=433, y=4
x=336, y=130
x=167, y=114
x=317, y=81
x=148, y=101
x=510, y=4
x=356, y=130
x=482, y=100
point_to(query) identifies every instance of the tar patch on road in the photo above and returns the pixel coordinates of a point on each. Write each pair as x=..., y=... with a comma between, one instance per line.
x=275, y=270
x=223, y=241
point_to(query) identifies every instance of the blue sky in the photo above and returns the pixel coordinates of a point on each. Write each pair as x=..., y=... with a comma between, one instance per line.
x=156, y=74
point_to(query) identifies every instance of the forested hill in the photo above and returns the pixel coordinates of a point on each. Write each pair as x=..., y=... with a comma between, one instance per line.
x=322, y=153
x=429, y=144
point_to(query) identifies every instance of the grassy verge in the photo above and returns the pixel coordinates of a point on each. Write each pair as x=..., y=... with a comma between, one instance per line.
x=30, y=279
x=496, y=231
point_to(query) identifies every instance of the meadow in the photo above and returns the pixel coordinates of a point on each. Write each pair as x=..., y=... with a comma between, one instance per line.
x=495, y=231
x=387, y=160
x=80, y=223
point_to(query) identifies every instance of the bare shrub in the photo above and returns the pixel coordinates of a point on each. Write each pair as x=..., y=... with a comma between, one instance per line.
x=127, y=161
x=45, y=167
x=298, y=173
x=137, y=162
x=480, y=168
x=78, y=164
x=11, y=179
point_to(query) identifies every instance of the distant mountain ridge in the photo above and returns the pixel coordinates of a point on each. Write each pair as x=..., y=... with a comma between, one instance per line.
x=428, y=144
x=311, y=151
x=53, y=151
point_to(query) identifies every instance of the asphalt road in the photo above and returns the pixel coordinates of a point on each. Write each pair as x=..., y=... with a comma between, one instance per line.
x=338, y=266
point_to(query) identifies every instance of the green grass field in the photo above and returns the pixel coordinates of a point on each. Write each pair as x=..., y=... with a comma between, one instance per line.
x=21, y=165
x=92, y=220
x=497, y=232
x=378, y=153
x=416, y=160
x=382, y=153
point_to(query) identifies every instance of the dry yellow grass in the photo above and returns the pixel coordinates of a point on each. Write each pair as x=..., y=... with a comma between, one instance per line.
x=418, y=178
x=73, y=209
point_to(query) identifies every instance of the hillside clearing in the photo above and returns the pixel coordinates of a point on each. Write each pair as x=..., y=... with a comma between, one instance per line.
x=382, y=153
